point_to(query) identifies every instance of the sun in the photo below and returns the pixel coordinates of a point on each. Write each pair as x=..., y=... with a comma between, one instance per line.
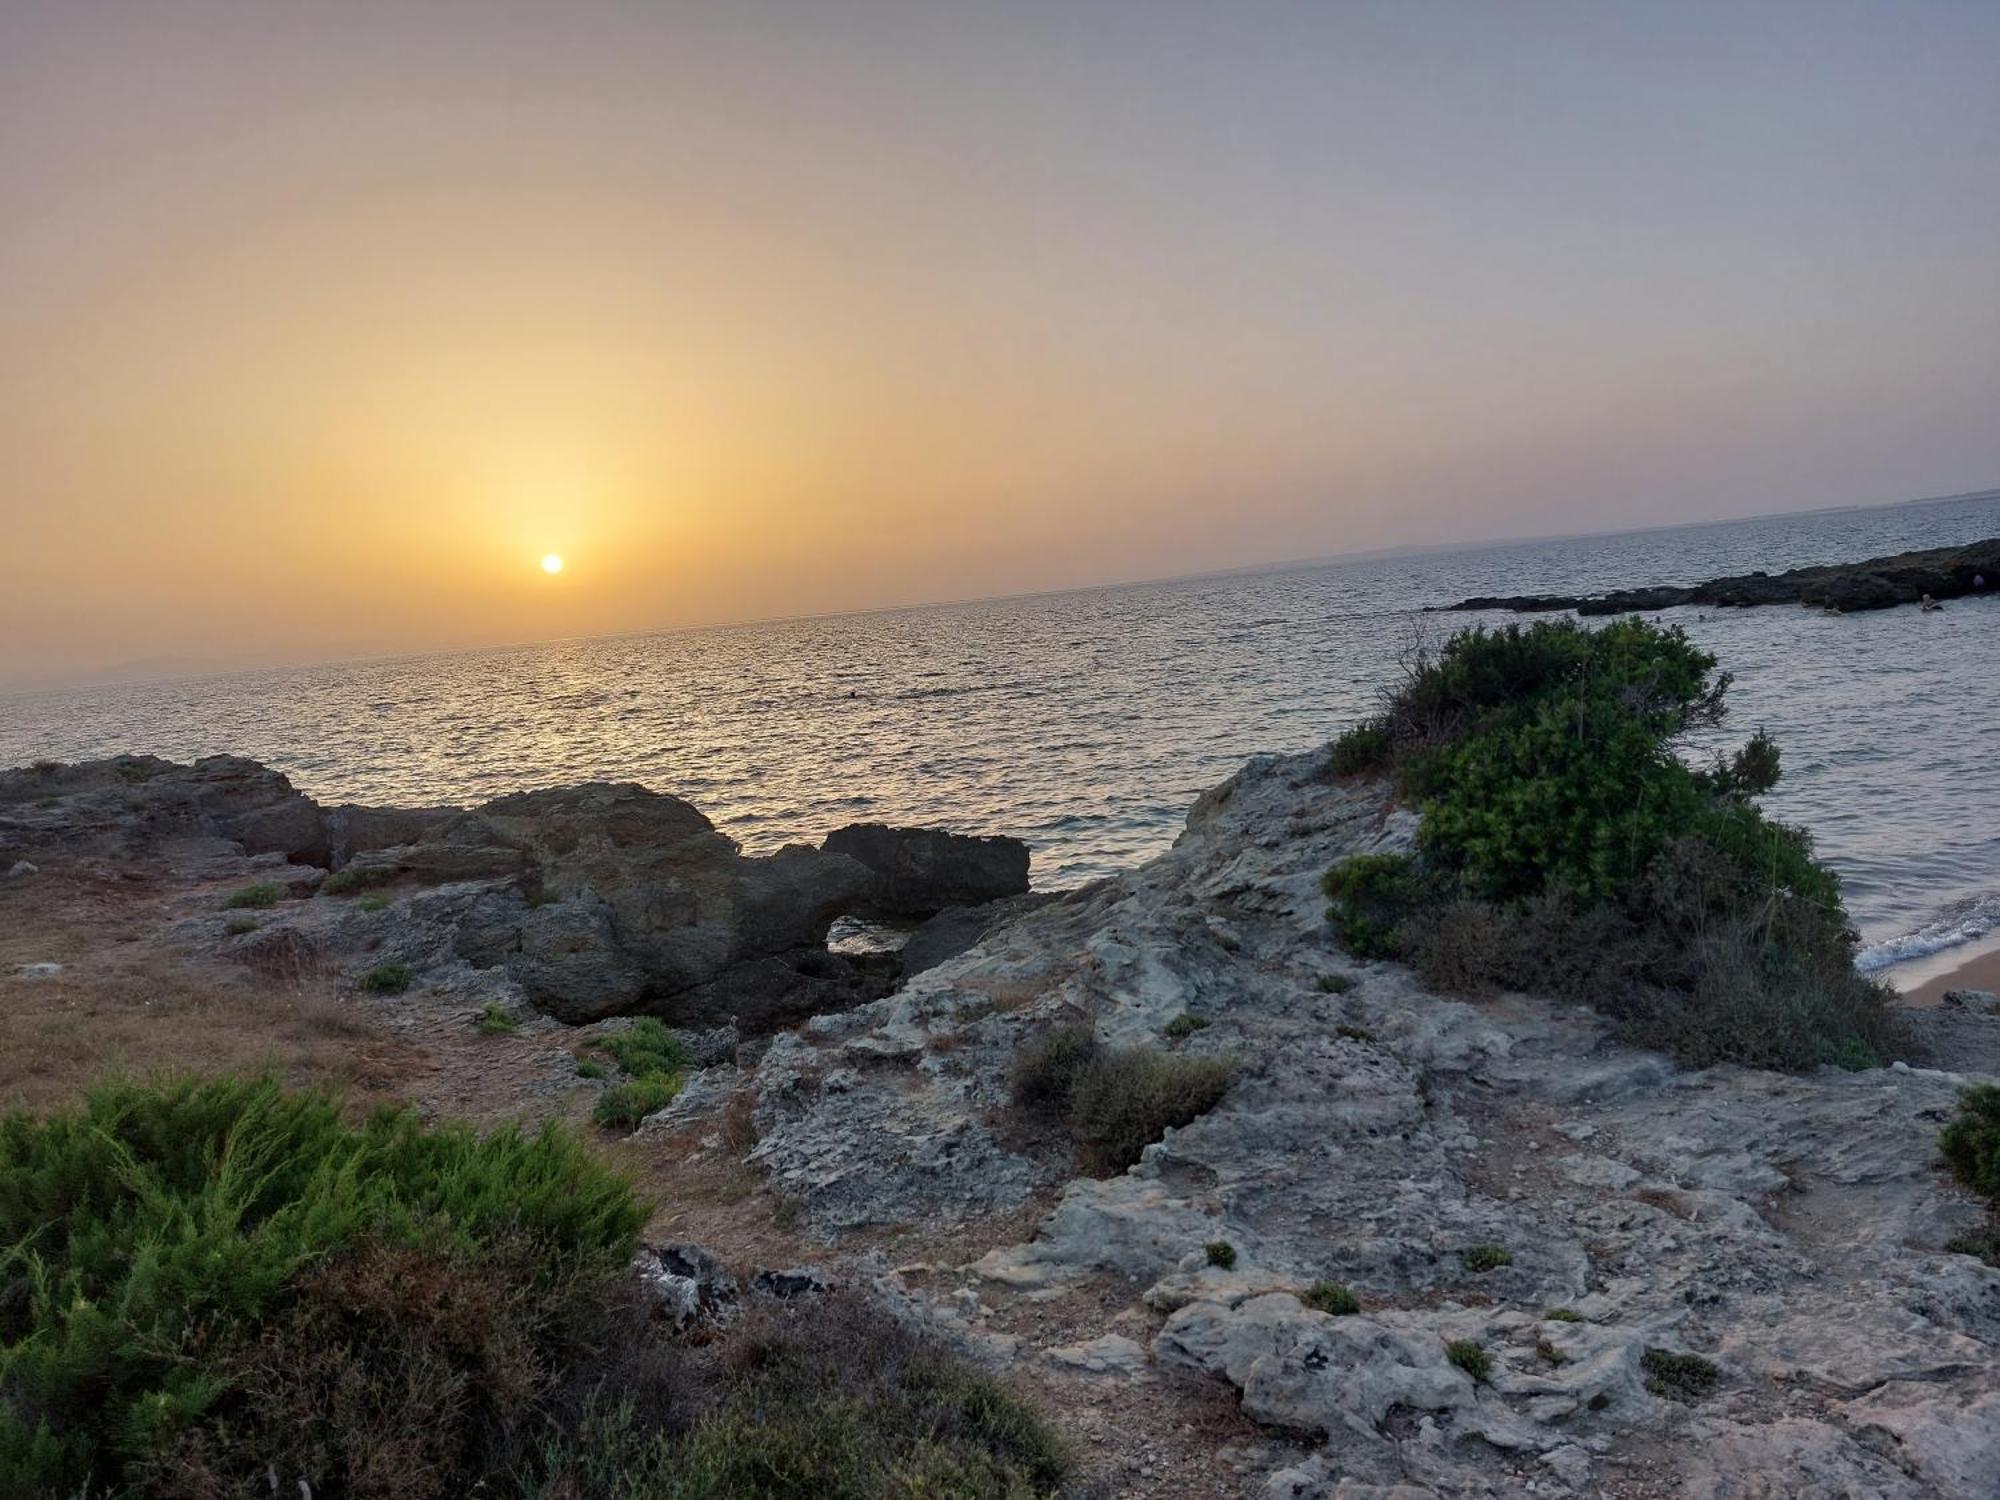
x=552, y=562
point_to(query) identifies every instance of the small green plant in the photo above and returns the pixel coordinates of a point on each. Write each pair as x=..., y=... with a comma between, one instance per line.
x=790, y=1213
x=352, y=878
x=1550, y=1353
x=646, y=1048
x=1044, y=1073
x=624, y=1105
x=1471, y=1358
x=1354, y=1033
x=1221, y=1254
x=1481, y=1258
x=1186, y=1025
x=387, y=979
x=1331, y=1297
x=373, y=903
x=238, y=926
x=590, y=1067
x=1334, y=984
x=1564, y=1315
x=257, y=896
x=1684, y=1377
x=494, y=1019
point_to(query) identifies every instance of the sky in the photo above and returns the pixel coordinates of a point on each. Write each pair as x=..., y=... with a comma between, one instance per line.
x=321, y=324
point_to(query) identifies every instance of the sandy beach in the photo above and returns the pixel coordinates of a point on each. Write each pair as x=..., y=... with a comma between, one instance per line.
x=1974, y=968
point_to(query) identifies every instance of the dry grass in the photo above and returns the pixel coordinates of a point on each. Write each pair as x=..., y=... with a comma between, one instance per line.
x=126, y=1003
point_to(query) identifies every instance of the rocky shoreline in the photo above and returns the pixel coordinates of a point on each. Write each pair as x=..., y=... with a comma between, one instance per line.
x=1500, y=1176
x=1877, y=583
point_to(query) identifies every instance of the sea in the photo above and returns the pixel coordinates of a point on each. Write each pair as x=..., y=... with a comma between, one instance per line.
x=1085, y=722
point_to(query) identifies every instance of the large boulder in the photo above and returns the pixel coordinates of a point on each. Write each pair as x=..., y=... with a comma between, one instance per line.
x=918, y=872
x=134, y=805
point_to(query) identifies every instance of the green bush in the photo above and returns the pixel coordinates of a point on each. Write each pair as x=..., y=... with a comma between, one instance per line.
x=1482, y=1258
x=1566, y=847
x=1125, y=1100
x=240, y=926
x=373, y=903
x=1471, y=1358
x=1185, y=1025
x=1221, y=1254
x=1115, y=1103
x=353, y=878
x=1331, y=1297
x=624, y=1105
x=1334, y=984
x=494, y=1019
x=256, y=896
x=1371, y=896
x=590, y=1067
x=1045, y=1070
x=1970, y=1143
x=1687, y=1377
x=646, y=1048
x=387, y=979
x=168, y=1248
x=1365, y=747
x=1563, y=1315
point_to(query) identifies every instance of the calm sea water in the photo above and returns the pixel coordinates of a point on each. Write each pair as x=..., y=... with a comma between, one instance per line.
x=1085, y=722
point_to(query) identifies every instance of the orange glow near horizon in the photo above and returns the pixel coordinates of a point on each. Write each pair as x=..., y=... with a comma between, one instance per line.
x=316, y=322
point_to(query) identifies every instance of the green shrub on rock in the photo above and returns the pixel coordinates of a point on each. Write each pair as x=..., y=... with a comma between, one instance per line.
x=624, y=1105
x=1567, y=847
x=255, y=897
x=1332, y=1298
x=1970, y=1144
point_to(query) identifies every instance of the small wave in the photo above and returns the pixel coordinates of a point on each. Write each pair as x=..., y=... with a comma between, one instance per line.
x=1960, y=923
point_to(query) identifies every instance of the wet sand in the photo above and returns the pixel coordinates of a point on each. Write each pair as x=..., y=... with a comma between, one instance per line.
x=1974, y=968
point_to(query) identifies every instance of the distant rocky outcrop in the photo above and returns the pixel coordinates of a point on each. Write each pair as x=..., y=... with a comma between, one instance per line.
x=595, y=900
x=1878, y=583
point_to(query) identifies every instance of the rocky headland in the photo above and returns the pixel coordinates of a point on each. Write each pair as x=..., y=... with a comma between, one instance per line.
x=1877, y=583
x=1422, y=1247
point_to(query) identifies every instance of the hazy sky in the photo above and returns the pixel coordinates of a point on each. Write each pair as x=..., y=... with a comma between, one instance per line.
x=321, y=324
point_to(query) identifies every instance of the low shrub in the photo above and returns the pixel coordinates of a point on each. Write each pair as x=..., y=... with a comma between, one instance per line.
x=1470, y=1357
x=218, y=1288
x=1686, y=1377
x=624, y=1105
x=387, y=979
x=256, y=896
x=1549, y=1353
x=1331, y=1297
x=1567, y=847
x=372, y=904
x=1115, y=1102
x=1371, y=896
x=1482, y=1258
x=590, y=1067
x=350, y=878
x=646, y=1048
x=1221, y=1254
x=1334, y=984
x=1365, y=747
x=191, y=1267
x=241, y=926
x=1563, y=1315
x=1125, y=1100
x=1044, y=1073
x=494, y=1019
x=1970, y=1143
x=1185, y=1025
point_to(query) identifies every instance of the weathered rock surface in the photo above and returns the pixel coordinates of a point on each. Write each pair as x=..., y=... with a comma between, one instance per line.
x=1788, y=1229
x=921, y=871
x=593, y=900
x=1878, y=583
x=134, y=804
